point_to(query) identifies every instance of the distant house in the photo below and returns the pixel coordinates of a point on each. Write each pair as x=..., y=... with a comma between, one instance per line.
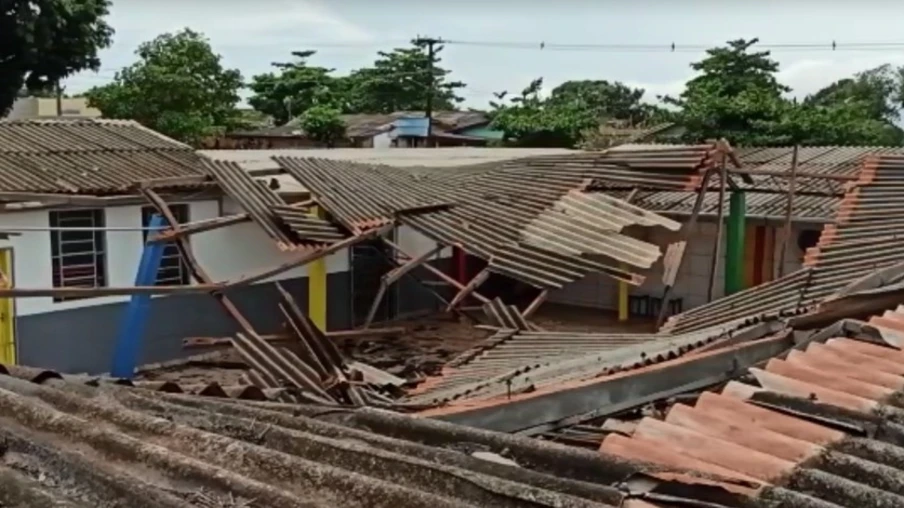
x=403, y=129
x=26, y=108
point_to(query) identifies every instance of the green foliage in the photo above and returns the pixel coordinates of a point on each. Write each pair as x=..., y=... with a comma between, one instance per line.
x=737, y=96
x=530, y=120
x=400, y=80
x=572, y=109
x=324, y=124
x=44, y=41
x=177, y=87
x=290, y=91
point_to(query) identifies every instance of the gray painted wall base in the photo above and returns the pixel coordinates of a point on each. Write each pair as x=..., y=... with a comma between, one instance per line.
x=82, y=340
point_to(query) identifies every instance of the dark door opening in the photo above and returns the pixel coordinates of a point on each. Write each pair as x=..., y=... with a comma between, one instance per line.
x=369, y=262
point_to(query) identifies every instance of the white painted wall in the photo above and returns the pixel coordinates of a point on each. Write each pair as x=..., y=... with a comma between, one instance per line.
x=381, y=140
x=692, y=283
x=225, y=253
x=415, y=244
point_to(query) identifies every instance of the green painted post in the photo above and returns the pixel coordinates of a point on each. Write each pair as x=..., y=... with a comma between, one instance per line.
x=734, y=251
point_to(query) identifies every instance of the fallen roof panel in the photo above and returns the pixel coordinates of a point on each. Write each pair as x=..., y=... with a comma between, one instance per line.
x=826, y=421
x=504, y=214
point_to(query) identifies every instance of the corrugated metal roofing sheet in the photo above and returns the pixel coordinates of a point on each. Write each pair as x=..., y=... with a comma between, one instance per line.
x=95, y=156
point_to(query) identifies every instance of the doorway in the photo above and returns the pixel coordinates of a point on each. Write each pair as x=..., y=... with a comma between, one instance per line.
x=370, y=261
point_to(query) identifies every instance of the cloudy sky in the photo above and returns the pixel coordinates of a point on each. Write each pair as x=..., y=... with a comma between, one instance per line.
x=347, y=34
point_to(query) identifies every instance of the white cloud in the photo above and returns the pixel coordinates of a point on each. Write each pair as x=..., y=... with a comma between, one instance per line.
x=243, y=24
x=804, y=76
x=808, y=76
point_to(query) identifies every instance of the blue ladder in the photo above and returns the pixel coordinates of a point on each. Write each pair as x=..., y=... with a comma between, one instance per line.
x=131, y=331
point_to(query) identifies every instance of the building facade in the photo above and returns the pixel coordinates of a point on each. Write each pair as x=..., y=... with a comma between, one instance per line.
x=46, y=107
x=79, y=335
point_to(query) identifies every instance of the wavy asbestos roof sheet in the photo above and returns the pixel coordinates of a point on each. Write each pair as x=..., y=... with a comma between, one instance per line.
x=825, y=422
x=512, y=362
x=68, y=444
x=290, y=227
x=862, y=239
x=760, y=205
x=361, y=196
x=581, y=224
x=509, y=215
x=89, y=156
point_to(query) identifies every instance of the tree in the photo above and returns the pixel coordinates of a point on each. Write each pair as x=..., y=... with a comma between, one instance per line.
x=177, y=87
x=44, y=41
x=735, y=91
x=400, y=80
x=324, y=124
x=530, y=120
x=877, y=91
x=607, y=100
x=571, y=110
x=738, y=96
x=290, y=92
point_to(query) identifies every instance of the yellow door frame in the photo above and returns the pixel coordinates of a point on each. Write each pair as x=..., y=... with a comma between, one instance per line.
x=8, y=350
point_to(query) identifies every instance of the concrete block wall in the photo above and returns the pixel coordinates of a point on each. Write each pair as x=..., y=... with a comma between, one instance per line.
x=692, y=283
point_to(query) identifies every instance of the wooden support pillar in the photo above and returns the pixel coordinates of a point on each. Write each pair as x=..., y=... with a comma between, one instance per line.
x=789, y=213
x=317, y=288
x=720, y=226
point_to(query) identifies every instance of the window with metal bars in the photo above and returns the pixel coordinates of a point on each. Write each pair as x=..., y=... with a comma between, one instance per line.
x=78, y=254
x=173, y=271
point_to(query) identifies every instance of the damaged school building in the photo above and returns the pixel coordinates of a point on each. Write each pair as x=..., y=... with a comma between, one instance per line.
x=753, y=357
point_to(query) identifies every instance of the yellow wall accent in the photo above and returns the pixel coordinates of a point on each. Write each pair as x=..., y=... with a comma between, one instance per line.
x=7, y=314
x=317, y=288
x=623, y=298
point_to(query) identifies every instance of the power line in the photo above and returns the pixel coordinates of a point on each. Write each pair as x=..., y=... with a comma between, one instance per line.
x=665, y=47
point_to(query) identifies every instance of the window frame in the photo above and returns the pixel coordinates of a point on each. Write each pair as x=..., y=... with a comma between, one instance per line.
x=95, y=241
x=172, y=260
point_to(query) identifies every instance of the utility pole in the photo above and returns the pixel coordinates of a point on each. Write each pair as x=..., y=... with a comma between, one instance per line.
x=59, y=98
x=431, y=55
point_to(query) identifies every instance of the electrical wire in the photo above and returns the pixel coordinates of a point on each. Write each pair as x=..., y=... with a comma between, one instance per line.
x=666, y=47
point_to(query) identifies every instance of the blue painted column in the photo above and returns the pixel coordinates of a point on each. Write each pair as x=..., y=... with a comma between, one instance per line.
x=131, y=331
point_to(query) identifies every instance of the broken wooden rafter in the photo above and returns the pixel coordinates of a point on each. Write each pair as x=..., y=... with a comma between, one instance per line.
x=282, y=339
x=686, y=232
x=463, y=293
x=192, y=228
x=436, y=271
x=188, y=257
x=535, y=304
x=392, y=277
